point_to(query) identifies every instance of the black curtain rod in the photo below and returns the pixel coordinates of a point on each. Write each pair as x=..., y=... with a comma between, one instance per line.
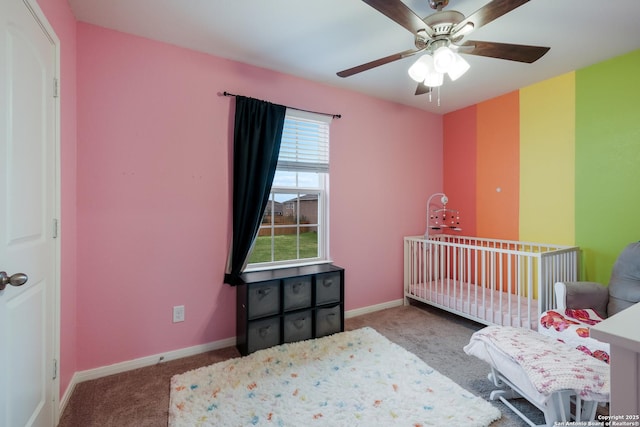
x=335, y=116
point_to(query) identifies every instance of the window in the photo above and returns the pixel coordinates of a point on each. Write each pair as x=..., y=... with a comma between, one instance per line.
x=294, y=227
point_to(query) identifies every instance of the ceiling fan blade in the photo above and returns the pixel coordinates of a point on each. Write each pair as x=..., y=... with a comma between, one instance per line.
x=487, y=13
x=377, y=62
x=401, y=14
x=422, y=89
x=511, y=52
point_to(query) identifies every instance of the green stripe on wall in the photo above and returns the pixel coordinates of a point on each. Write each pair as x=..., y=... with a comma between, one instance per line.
x=607, y=162
x=547, y=161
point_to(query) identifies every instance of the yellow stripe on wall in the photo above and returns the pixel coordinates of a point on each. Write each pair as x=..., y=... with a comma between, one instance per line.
x=547, y=161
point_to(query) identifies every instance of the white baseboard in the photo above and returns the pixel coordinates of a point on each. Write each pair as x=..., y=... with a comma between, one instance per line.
x=92, y=374
x=67, y=394
x=373, y=308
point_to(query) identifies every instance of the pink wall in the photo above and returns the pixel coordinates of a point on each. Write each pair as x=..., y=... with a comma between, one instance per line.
x=63, y=22
x=154, y=191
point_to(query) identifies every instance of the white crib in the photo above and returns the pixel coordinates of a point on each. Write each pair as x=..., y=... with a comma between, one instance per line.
x=494, y=282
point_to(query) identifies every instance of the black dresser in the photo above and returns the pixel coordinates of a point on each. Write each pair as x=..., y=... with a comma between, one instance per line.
x=288, y=304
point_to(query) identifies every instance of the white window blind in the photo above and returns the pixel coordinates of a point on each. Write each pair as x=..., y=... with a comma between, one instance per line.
x=305, y=142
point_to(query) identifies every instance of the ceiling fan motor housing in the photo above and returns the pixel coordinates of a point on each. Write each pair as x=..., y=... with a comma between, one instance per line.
x=442, y=23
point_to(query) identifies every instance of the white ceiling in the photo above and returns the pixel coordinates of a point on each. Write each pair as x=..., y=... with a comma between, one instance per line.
x=314, y=39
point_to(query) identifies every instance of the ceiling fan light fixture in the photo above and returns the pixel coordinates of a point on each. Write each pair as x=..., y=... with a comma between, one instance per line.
x=419, y=70
x=459, y=67
x=434, y=79
x=443, y=59
x=423, y=71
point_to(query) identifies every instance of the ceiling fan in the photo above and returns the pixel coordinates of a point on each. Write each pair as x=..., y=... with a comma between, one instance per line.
x=443, y=32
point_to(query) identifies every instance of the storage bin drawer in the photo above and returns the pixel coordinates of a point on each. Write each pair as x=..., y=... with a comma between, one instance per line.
x=298, y=326
x=328, y=321
x=263, y=333
x=263, y=299
x=297, y=293
x=328, y=288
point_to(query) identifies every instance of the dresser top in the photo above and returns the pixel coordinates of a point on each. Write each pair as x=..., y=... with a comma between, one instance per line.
x=283, y=273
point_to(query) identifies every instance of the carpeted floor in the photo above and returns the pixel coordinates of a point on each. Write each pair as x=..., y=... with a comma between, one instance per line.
x=141, y=397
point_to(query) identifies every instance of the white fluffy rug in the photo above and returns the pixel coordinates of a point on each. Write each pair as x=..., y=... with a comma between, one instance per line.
x=355, y=378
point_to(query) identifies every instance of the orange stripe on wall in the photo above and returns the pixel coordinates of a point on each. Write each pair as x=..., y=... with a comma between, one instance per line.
x=498, y=167
x=459, y=133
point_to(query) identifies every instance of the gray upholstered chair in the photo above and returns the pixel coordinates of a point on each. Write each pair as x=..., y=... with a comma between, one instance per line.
x=579, y=305
x=623, y=290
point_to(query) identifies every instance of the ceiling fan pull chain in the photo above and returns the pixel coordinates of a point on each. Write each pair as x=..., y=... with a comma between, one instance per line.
x=438, y=96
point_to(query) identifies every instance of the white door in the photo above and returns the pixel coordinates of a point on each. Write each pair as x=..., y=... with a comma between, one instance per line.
x=28, y=127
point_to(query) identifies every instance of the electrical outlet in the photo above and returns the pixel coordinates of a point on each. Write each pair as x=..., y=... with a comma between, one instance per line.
x=178, y=313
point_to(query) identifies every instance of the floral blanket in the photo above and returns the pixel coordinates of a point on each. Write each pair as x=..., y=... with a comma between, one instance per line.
x=572, y=328
x=550, y=365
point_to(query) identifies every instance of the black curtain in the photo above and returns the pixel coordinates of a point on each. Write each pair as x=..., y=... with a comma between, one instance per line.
x=256, y=145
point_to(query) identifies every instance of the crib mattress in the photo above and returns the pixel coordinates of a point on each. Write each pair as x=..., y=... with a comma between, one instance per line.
x=480, y=303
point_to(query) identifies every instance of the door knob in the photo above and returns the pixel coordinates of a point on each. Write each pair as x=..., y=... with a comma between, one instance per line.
x=17, y=279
